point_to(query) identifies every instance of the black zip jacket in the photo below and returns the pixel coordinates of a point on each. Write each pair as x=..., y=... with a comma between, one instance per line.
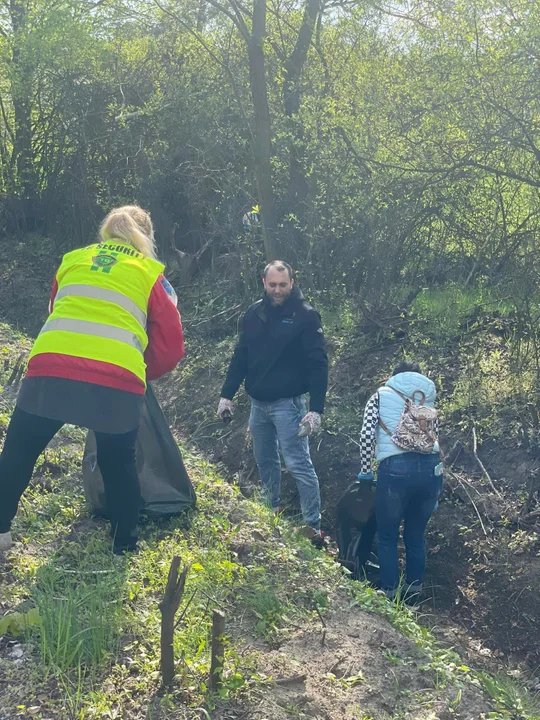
x=280, y=353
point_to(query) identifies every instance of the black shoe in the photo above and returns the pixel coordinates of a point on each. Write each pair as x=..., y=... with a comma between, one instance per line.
x=318, y=540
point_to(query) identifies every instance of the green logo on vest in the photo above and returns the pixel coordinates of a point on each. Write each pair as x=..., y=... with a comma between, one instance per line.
x=104, y=261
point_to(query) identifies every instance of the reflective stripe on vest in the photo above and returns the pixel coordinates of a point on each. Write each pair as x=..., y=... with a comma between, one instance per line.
x=98, y=293
x=87, y=327
x=99, y=311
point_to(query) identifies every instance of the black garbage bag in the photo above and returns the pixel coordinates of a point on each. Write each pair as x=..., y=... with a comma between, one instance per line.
x=165, y=485
x=356, y=529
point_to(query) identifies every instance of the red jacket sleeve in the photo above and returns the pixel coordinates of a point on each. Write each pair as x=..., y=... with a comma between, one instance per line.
x=165, y=338
x=54, y=290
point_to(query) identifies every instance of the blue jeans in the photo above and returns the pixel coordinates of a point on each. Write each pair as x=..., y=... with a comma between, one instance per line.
x=274, y=425
x=407, y=489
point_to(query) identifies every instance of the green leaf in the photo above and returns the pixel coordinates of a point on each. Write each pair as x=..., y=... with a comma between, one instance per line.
x=16, y=623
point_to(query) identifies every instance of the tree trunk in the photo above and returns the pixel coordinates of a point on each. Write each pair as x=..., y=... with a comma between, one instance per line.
x=262, y=129
x=298, y=185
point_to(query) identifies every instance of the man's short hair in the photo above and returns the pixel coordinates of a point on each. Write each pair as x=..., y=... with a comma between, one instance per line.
x=406, y=366
x=280, y=266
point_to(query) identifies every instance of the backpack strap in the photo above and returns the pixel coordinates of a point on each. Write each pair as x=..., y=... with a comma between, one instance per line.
x=384, y=427
x=386, y=430
x=404, y=397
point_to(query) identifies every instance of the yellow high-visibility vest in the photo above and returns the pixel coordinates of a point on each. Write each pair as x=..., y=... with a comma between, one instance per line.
x=99, y=312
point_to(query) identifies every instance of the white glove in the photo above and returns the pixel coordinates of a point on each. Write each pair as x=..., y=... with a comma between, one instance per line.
x=313, y=421
x=225, y=406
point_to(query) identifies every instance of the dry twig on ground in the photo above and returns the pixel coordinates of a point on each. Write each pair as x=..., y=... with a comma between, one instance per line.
x=481, y=464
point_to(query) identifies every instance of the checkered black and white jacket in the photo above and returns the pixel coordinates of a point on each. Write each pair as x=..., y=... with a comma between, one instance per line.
x=367, y=435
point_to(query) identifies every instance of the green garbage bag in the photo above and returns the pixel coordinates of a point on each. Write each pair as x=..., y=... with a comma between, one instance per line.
x=165, y=485
x=356, y=529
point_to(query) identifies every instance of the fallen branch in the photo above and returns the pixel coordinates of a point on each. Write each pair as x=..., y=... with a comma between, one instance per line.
x=465, y=480
x=481, y=464
x=529, y=520
x=470, y=498
x=212, y=600
x=352, y=440
x=168, y=606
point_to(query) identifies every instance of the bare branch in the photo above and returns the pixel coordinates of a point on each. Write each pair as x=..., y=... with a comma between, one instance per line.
x=240, y=20
x=457, y=165
x=481, y=464
x=399, y=16
x=456, y=477
x=361, y=162
x=235, y=17
x=214, y=57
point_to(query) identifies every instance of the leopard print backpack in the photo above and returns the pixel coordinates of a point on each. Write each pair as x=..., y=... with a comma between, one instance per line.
x=417, y=428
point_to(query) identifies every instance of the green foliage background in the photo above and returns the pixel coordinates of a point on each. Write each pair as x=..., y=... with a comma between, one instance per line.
x=412, y=159
x=405, y=155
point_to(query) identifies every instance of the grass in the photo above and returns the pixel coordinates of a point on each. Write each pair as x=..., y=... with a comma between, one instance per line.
x=79, y=611
x=444, y=311
x=510, y=699
x=99, y=619
x=96, y=646
x=269, y=610
x=94, y=653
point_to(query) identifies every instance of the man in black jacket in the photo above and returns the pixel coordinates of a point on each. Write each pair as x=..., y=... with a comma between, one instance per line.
x=281, y=356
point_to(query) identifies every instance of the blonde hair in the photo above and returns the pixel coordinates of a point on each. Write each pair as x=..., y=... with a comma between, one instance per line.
x=130, y=224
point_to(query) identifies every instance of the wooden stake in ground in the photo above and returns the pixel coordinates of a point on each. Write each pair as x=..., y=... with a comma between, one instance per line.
x=168, y=607
x=218, y=650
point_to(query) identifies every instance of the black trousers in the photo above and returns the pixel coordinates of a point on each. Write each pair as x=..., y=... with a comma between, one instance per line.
x=27, y=437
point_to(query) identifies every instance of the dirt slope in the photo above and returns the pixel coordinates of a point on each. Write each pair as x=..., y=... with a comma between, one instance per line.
x=302, y=640
x=483, y=578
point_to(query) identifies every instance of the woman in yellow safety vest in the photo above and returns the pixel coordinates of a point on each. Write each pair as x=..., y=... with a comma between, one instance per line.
x=111, y=327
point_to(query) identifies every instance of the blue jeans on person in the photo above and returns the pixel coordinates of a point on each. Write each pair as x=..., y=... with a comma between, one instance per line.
x=407, y=489
x=274, y=425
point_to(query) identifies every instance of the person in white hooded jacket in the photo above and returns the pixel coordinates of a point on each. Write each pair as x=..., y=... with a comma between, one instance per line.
x=408, y=483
